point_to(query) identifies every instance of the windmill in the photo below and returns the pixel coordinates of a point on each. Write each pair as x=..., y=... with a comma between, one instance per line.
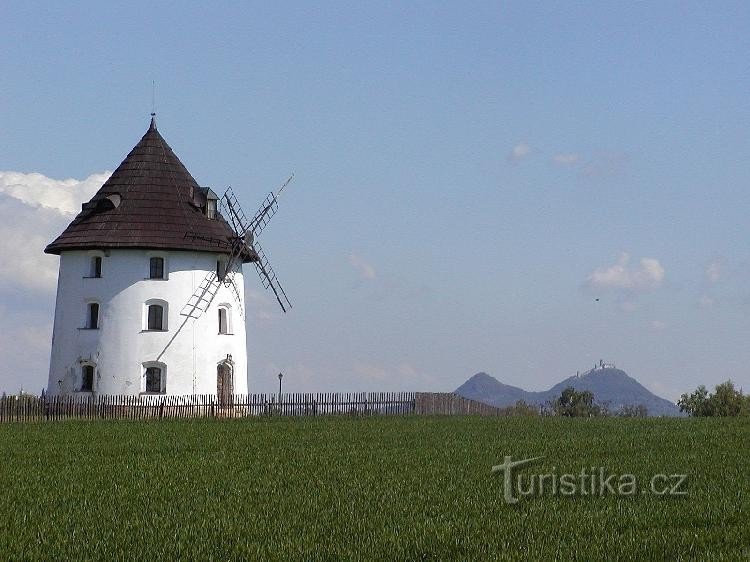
x=242, y=245
x=245, y=240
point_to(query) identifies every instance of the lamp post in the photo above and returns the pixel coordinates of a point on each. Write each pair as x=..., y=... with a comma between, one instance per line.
x=281, y=376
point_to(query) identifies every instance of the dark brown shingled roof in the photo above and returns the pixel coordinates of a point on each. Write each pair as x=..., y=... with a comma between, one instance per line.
x=160, y=206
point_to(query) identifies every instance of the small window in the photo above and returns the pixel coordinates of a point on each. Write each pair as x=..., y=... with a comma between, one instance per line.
x=211, y=208
x=93, y=316
x=87, y=378
x=96, y=266
x=156, y=270
x=154, y=380
x=155, y=317
x=223, y=321
x=221, y=269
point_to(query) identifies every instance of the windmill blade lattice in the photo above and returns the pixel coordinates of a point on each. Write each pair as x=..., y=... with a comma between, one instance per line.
x=245, y=240
x=233, y=213
x=264, y=214
x=269, y=279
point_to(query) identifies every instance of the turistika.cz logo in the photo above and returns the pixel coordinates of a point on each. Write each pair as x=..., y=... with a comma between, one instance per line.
x=590, y=481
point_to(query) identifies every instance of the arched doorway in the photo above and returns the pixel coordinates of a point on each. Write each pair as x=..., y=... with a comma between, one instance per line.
x=225, y=381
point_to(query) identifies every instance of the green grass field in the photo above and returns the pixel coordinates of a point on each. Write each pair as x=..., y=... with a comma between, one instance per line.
x=372, y=488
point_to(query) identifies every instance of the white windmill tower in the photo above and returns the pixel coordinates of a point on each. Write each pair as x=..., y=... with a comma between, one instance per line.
x=150, y=292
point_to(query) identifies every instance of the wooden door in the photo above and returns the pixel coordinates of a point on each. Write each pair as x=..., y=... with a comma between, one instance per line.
x=224, y=383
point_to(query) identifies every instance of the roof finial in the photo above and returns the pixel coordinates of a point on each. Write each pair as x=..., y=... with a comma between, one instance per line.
x=153, y=105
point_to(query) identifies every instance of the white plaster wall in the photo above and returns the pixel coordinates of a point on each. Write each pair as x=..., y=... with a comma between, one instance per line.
x=190, y=348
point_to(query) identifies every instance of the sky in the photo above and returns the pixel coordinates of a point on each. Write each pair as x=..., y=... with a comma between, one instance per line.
x=520, y=188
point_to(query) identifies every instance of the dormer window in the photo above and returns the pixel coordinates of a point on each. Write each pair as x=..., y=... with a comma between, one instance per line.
x=211, y=206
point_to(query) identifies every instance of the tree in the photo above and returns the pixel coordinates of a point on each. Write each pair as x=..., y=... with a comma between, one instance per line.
x=726, y=401
x=695, y=404
x=521, y=408
x=572, y=403
x=633, y=411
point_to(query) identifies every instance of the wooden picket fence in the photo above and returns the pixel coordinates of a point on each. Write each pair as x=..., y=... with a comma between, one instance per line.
x=54, y=408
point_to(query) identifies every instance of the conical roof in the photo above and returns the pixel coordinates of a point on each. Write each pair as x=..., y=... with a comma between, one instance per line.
x=150, y=201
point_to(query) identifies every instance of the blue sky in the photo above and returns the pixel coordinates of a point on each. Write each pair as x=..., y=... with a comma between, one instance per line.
x=470, y=178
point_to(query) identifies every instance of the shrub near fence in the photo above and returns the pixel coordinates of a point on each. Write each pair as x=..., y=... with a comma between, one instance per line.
x=52, y=408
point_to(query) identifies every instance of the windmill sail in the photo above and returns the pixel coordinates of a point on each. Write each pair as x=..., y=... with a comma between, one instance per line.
x=233, y=213
x=269, y=279
x=245, y=240
x=264, y=214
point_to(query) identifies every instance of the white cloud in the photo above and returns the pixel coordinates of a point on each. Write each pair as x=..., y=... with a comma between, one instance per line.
x=36, y=209
x=24, y=233
x=364, y=269
x=63, y=196
x=658, y=325
x=566, y=159
x=647, y=275
x=519, y=152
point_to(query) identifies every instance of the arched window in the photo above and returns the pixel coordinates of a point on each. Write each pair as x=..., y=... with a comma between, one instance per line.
x=156, y=268
x=155, y=378
x=87, y=378
x=92, y=316
x=155, y=317
x=225, y=319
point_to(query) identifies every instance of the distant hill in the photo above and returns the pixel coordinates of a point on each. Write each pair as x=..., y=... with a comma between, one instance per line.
x=607, y=384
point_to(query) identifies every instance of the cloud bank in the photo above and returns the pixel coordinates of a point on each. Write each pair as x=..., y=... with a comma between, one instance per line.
x=646, y=275
x=36, y=209
x=37, y=190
